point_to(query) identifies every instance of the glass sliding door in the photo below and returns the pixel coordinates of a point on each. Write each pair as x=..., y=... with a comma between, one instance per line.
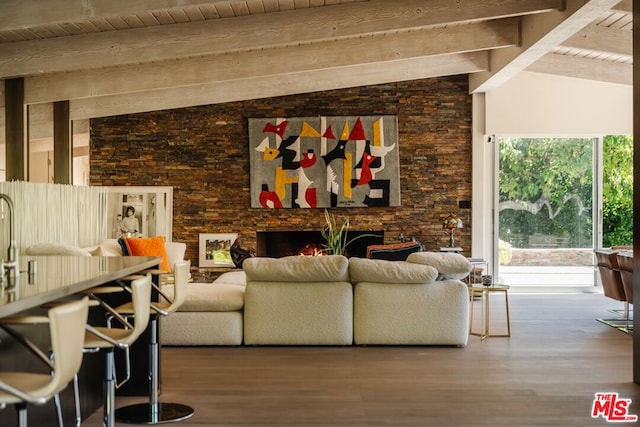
x=545, y=212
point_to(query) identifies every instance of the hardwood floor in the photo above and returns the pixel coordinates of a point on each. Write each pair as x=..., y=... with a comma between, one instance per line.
x=546, y=374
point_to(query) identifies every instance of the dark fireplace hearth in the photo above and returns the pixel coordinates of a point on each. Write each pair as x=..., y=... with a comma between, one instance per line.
x=280, y=243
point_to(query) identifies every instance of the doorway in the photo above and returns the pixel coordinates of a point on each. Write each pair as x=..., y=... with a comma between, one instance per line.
x=547, y=224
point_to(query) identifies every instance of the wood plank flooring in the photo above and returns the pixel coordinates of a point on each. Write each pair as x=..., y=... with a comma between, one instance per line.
x=546, y=374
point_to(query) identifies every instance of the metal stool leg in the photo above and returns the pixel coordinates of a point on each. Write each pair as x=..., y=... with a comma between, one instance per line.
x=21, y=412
x=108, y=419
x=153, y=412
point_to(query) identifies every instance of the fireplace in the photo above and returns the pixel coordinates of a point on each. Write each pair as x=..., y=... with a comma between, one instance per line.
x=280, y=243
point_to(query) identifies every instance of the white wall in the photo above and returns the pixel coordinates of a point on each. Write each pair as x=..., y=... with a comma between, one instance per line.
x=542, y=104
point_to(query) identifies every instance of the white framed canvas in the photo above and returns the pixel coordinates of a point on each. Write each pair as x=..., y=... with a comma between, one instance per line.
x=215, y=249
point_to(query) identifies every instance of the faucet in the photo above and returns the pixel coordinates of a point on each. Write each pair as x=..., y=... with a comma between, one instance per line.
x=12, y=251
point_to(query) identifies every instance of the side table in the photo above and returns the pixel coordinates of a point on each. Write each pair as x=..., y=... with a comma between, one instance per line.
x=484, y=292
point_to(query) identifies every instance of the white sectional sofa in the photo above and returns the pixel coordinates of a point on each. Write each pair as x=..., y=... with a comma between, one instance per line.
x=329, y=300
x=325, y=300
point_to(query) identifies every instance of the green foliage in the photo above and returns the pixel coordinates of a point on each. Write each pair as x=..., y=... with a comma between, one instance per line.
x=546, y=189
x=335, y=235
x=617, y=191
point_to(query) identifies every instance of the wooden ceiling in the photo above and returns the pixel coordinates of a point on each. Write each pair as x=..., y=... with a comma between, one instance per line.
x=124, y=56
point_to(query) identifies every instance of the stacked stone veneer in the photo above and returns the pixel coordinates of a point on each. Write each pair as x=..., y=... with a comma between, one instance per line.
x=203, y=153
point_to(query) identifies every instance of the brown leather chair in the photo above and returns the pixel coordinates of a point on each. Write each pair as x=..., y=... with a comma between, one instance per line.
x=607, y=261
x=625, y=266
x=613, y=287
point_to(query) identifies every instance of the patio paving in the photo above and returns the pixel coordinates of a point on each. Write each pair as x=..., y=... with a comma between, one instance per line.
x=550, y=278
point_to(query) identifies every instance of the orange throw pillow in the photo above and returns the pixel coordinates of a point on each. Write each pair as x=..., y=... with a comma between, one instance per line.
x=149, y=246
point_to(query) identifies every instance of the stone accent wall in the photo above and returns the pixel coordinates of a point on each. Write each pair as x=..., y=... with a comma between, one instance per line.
x=202, y=152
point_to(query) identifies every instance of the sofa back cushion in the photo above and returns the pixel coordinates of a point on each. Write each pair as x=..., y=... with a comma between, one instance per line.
x=331, y=268
x=383, y=271
x=449, y=265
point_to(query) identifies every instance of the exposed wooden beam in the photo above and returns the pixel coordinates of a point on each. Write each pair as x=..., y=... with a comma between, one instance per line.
x=584, y=68
x=540, y=34
x=18, y=14
x=306, y=82
x=602, y=39
x=377, y=49
x=167, y=42
x=625, y=6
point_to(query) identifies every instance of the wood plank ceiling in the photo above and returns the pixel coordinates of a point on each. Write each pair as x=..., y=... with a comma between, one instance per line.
x=124, y=56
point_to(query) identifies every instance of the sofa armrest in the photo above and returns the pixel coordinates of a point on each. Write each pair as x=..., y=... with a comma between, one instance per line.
x=449, y=265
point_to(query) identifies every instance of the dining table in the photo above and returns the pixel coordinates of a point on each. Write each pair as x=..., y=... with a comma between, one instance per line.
x=40, y=280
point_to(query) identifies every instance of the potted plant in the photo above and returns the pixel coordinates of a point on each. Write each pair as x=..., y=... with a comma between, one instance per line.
x=335, y=235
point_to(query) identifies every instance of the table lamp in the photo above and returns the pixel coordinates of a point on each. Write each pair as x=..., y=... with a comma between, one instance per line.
x=450, y=223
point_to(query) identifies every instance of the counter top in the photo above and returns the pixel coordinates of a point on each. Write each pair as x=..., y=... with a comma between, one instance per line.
x=59, y=276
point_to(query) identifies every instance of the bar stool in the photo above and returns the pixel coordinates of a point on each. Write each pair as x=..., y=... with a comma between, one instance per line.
x=155, y=412
x=67, y=329
x=108, y=339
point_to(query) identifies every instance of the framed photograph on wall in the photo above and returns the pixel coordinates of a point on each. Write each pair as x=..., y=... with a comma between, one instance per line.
x=215, y=249
x=139, y=212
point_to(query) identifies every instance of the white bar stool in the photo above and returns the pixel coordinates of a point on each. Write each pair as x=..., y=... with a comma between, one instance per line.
x=155, y=412
x=67, y=329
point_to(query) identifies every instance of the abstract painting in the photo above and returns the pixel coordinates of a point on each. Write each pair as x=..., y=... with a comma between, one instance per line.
x=322, y=162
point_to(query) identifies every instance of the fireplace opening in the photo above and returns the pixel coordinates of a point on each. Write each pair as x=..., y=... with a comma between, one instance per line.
x=281, y=243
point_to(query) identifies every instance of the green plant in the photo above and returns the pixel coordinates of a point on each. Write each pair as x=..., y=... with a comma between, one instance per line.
x=504, y=252
x=336, y=236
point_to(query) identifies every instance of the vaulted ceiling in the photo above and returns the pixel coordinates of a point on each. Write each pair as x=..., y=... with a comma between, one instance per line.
x=124, y=56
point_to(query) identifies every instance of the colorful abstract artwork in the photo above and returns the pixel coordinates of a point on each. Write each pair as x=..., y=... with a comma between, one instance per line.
x=321, y=162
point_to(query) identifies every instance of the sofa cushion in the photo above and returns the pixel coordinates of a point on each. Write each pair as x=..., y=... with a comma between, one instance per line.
x=56, y=249
x=149, y=246
x=302, y=269
x=383, y=271
x=110, y=247
x=393, y=251
x=449, y=265
x=238, y=278
x=210, y=297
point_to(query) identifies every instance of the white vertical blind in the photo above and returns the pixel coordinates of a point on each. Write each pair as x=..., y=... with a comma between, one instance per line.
x=66, y=214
